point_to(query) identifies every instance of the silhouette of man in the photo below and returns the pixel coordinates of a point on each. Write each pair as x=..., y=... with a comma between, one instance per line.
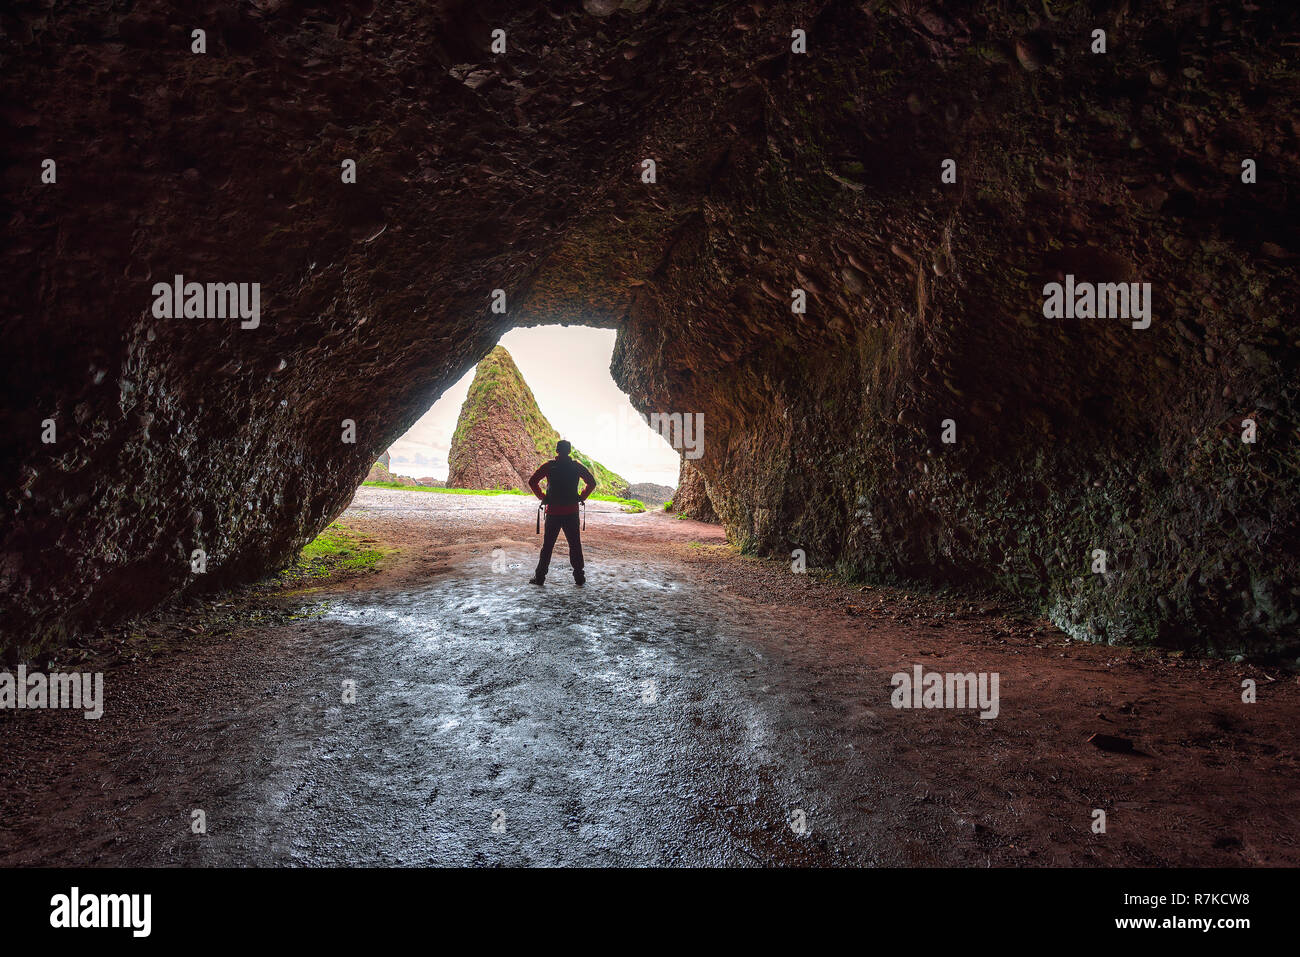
x=561, y=498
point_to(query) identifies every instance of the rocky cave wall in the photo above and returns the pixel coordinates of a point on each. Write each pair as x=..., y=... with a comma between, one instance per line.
x=522, y=172
x=180, y=434
x=824, y=431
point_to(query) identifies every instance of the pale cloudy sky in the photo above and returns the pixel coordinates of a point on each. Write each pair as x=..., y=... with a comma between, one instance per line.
x=567, y=367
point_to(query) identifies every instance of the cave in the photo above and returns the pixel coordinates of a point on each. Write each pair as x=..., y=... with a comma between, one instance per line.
x=827, y=228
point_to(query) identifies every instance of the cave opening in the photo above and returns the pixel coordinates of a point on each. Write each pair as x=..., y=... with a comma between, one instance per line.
x=538, y=382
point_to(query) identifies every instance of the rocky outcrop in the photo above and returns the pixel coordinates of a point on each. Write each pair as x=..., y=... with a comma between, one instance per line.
x=379, y=473
x=691, y=499
x=502, y=437
x=134, y=442
x=648, y=493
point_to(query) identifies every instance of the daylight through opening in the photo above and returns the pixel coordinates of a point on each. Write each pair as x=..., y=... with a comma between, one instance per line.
x=494, y=426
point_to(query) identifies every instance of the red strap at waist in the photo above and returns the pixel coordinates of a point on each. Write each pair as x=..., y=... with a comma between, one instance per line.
x=562, y=510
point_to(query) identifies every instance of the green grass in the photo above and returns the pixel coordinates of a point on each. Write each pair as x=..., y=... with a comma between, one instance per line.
x=335, y=550
x=630, y=504
x=338, y=541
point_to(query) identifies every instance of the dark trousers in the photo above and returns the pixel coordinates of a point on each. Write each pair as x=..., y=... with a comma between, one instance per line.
x=572, y=527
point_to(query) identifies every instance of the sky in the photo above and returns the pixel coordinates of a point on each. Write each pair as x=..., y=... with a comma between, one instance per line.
x=567, y=367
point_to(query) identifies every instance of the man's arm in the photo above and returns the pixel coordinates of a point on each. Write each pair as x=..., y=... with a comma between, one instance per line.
x=588, y=479
x=535, y=482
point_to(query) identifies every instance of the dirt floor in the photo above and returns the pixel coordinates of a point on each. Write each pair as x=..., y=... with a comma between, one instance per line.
x=687, y=706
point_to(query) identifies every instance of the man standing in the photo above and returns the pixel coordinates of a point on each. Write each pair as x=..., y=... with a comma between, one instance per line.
x=561, y=498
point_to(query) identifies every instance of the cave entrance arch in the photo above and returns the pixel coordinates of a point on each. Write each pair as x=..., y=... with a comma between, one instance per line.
x=538, y=383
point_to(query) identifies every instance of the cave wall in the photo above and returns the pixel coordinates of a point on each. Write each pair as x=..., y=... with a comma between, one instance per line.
x=691, y=497
x=521, y=171
x=226, y=166
x=926, y=304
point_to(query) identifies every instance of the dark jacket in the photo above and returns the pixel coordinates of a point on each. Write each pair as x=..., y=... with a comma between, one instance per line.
x=562, y=474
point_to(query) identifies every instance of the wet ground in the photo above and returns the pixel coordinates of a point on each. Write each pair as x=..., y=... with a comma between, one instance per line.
x=688, y=706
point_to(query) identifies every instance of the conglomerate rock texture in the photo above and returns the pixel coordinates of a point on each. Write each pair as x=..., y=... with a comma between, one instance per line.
x=774, y=170
x=691, y=498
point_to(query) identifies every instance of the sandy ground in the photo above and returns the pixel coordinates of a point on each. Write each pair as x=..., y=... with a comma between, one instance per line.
x=688, y=706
